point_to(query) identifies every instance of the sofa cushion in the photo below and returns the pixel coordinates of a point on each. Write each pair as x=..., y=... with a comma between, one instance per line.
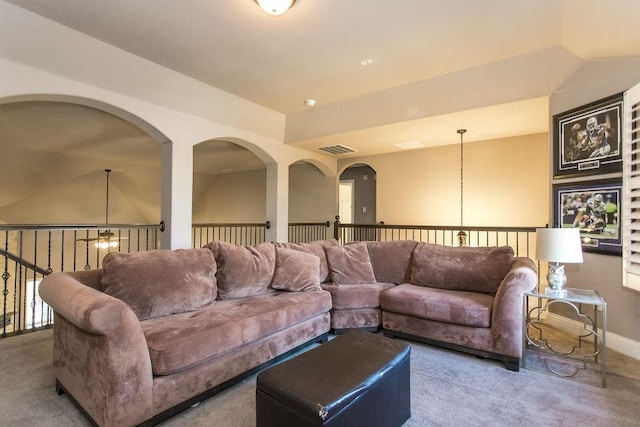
x=296, y=271
x=460, y=268
x=184, y=340
x=391, y=261
x=161, y=281
x=316, y=248
x=362, y=295
x=350, y=264
x=457, y=307
x=243, y=270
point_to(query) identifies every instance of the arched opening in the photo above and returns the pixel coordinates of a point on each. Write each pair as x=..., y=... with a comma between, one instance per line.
x=312, y=202
x=357, y=194
x=229, y=184
x=55, y=150
x=59, y=148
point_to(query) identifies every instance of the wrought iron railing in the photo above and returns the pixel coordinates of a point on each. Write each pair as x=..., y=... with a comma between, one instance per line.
x=521, y=239
x=305, y=232
x=252, y=233
x=30, y=252
x=238, y=234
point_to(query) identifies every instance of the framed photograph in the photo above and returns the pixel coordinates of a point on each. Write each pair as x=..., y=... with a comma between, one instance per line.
x=594, y=208
x=587, y=140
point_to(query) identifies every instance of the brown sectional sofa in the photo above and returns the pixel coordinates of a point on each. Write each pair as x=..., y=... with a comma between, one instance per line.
x=463, y=298
x=194, y=321
x=151, y=333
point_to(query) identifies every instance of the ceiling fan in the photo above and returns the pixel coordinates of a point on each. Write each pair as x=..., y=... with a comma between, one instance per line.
x=106, y=239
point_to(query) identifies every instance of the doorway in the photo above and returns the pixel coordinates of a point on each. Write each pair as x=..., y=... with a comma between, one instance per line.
x=345, y=206
x=358, y=203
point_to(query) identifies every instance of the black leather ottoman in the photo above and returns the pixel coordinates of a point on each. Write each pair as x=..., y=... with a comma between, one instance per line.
x=356, y=379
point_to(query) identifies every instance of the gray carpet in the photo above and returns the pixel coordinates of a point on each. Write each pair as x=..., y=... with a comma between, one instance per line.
x=447, y=389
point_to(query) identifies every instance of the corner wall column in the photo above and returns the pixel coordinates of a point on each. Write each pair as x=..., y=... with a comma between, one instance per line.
x=176, y=196
x=277, y=203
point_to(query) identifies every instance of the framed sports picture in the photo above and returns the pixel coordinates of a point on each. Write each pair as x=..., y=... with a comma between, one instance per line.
x=594, y=208
x=587, y=140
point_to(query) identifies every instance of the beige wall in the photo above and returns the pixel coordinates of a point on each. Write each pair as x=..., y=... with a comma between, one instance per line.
x=505, y=183
x=603, y=273
x=312, y=195
x=241, y=197
x=233, y=197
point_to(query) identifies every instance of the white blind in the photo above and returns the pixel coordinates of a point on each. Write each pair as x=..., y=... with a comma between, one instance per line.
x=631, y=189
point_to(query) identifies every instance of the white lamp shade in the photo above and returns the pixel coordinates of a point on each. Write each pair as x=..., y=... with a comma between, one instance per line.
x=560, y=245
x=275, y=7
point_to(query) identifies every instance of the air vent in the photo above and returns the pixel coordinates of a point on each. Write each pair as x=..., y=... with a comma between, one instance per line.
x=337, y=149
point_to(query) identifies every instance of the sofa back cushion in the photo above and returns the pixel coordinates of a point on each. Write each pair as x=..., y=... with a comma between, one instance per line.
x=350, y=264
x=296, y=271
x=460, y=268
x=160, y=282
x=243, y=270
x=316, y=248
x=391, y=261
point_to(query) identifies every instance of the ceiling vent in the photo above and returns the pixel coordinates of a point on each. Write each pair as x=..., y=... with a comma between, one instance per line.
x=337, y=149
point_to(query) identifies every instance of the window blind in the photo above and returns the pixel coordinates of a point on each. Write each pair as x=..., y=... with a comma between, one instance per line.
x=631, y=189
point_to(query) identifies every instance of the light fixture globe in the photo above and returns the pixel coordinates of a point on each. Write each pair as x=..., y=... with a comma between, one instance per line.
x=275, y=7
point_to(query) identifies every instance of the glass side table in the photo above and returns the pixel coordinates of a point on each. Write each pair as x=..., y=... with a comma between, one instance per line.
x=549, y=351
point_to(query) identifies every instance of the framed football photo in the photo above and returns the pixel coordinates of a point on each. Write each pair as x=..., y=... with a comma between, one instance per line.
x=587, y=140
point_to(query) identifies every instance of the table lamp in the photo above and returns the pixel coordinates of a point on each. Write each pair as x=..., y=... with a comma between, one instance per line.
x=558, y=245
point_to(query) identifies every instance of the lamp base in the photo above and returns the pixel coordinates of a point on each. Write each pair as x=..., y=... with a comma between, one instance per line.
x=557, y=279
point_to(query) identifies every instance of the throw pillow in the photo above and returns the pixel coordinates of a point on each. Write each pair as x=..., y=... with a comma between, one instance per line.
x=243, y=270
x=316, y=248
x=160, y=282
x=460, y=268
x=391, y=261
x=296, y=271
x=350, y=264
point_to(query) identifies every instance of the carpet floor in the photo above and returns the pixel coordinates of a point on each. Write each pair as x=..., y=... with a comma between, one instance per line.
x=447, y=389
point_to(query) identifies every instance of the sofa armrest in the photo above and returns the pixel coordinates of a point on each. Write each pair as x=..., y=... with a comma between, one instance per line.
x=507, y=317
x=100, y=354
x=86, y=307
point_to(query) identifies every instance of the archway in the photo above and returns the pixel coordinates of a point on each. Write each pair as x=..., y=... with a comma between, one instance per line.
x=59, y=147
x=229, y=183
x=357, y=194
x=312, y=201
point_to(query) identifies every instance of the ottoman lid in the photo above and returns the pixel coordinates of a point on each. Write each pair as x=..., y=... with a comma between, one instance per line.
x=321, y=382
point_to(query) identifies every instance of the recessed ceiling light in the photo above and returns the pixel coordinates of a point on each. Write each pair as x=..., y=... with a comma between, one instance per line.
x=309, y=102
x=410, y=145
x=366, y=62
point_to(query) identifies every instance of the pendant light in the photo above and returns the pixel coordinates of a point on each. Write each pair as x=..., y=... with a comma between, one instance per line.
x=462, y=236
x=106, y=239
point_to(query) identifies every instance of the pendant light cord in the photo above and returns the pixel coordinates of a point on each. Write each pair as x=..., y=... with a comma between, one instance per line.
x=106, y=205
x=461, y=132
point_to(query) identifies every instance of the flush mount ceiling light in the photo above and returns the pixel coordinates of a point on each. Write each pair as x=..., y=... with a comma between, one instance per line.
x=275, y=7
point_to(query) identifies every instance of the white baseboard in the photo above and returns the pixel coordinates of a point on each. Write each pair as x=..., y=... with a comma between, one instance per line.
x=614, y=342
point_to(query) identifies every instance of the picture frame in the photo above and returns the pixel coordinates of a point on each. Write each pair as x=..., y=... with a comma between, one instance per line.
x=595, y=208
x=588, y=140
